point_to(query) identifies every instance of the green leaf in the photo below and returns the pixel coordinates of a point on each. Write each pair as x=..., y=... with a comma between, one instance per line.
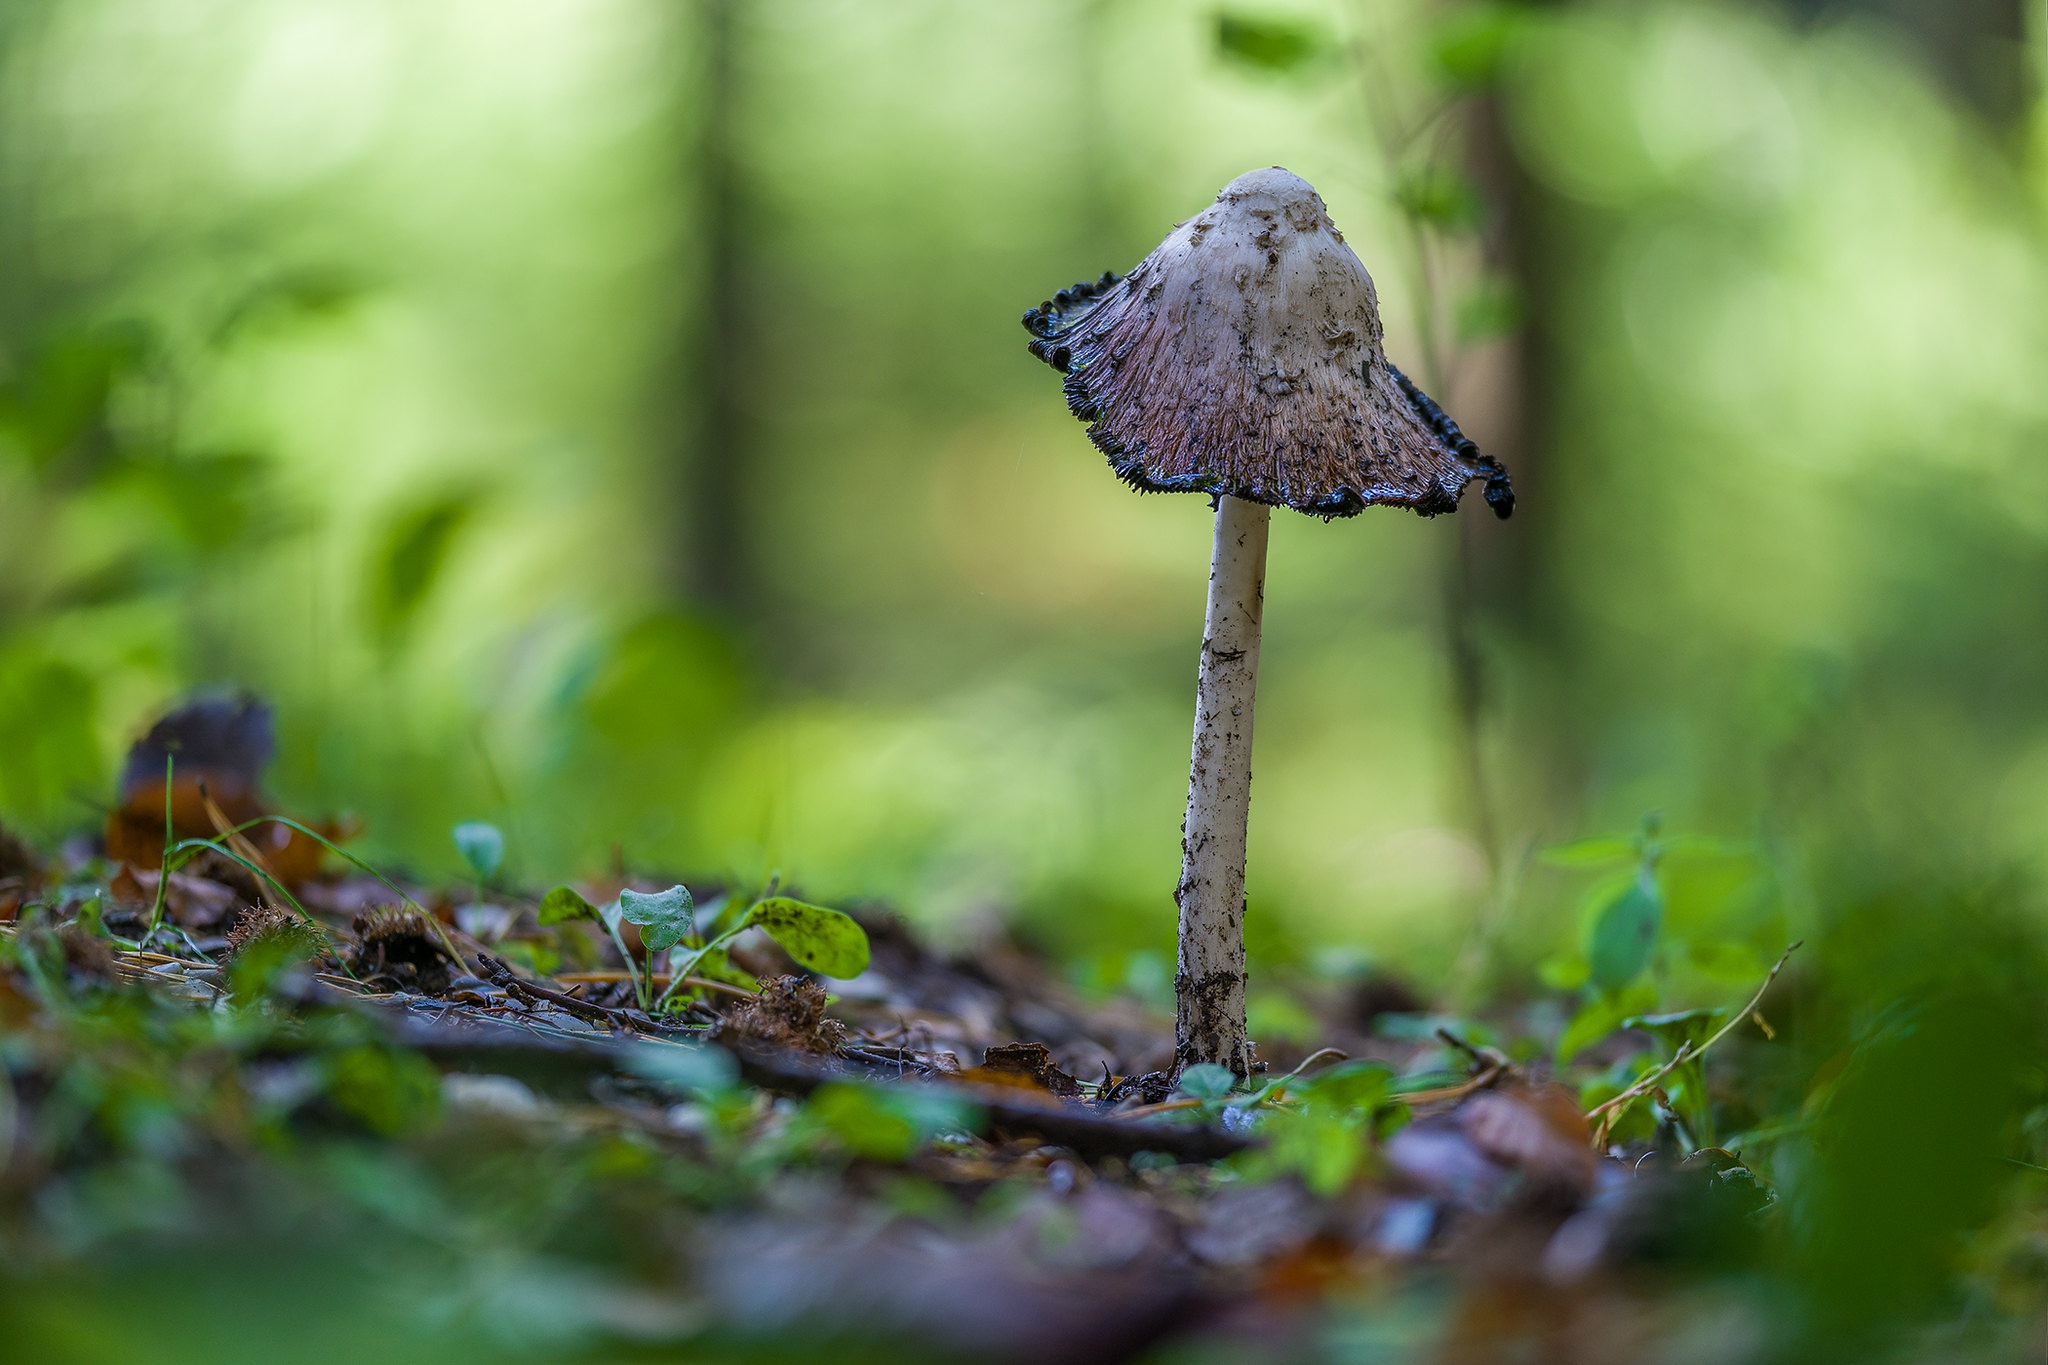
x=1322, y=1149
x=482, y=846
x=663, y=917
x=826, y=941
x=1673, y=1030
x=1467, y=47
x=1602, y=852
x=715, y=965
x=1625, y=934
x=887, y=1124
x=1440, y=196
x=1601, y=1016
x=565, y=905
x=1352, y=1089
x=1206, y=1081
x=409, y=560
x=1275, y=46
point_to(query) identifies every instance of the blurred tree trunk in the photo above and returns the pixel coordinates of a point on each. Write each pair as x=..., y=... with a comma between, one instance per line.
x=719, y=438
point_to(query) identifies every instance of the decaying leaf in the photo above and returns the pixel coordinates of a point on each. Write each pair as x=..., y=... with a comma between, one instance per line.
x=1025, y=1065
x=216, y=750
x=827, y=941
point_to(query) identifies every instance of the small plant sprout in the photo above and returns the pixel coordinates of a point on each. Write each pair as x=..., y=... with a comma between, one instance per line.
x=1243, y=359
x=482, y=846
x=827, y=941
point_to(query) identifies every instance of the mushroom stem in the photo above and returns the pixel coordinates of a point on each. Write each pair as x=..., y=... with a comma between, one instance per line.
x=1209, y=1023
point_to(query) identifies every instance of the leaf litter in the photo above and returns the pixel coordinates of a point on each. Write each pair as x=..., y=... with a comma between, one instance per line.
x=754, y=1121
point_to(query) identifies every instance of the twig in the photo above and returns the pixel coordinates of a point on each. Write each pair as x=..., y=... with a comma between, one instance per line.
x=1482, y=1057
x=701, y=982
x=1334, y=1053
x=1686, y=1053
x=1146, y=1111
x=498, y=974
x=1492, y=1072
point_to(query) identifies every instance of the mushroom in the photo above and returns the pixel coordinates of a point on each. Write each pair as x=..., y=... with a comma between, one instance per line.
x=1243, y=359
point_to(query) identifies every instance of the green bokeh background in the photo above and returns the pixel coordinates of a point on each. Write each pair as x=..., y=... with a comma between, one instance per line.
x=582, y=416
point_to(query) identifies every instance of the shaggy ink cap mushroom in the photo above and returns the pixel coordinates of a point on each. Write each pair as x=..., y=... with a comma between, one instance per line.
x=1244, y=357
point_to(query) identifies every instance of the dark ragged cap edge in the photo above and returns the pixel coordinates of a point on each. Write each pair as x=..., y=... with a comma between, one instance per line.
x=1051, y=319
x=1500, y=493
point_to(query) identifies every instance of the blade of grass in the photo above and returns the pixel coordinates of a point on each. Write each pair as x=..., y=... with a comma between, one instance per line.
x=194, y=845
x=163, y=868
x=439, y=931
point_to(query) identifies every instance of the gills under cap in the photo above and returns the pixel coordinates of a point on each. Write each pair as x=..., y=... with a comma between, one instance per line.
x=1244, y=357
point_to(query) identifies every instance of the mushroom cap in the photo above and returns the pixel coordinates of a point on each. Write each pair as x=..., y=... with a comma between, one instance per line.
x=1244, y=357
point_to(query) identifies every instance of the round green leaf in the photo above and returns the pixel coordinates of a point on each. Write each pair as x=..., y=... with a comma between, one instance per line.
x=663, y=917
x=826, y=941
x=1206, y=1081
x=482, y=846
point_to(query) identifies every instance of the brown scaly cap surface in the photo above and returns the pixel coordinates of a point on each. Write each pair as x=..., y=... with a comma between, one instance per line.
x=1243, y=356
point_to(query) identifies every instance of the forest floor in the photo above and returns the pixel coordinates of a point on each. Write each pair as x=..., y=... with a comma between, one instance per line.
x=331, y=1116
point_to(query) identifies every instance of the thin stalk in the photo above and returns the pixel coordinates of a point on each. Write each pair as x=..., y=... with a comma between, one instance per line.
x=163, y=872
x=193, y=845
x=678, y=974
x=1609, y=1111
x=1209, y=1023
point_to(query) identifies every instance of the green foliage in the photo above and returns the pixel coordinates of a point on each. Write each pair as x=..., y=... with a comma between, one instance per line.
x=55, y=408
x=482, y=846
x=1271, y=46
x=409, y=560
x=1601, y=1014
x=1324, y=1132
x=390, y=1091
x=1625, y=933
x=1468, y=44
x=302, y=293
x=1686, y=1086
x=566, y=905
x=880, y=1123
x=46, y=729
x=1206, y=1081
x=1440, y=196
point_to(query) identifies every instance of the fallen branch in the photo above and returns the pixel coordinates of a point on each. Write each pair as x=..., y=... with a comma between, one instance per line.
x=658, y=979
x=500, y=975
x=1686, y=1053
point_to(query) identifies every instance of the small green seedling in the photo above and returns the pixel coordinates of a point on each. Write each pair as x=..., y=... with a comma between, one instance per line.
x=826, y=941
x=482, y=846
x=664, y=917
x=565, y=905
